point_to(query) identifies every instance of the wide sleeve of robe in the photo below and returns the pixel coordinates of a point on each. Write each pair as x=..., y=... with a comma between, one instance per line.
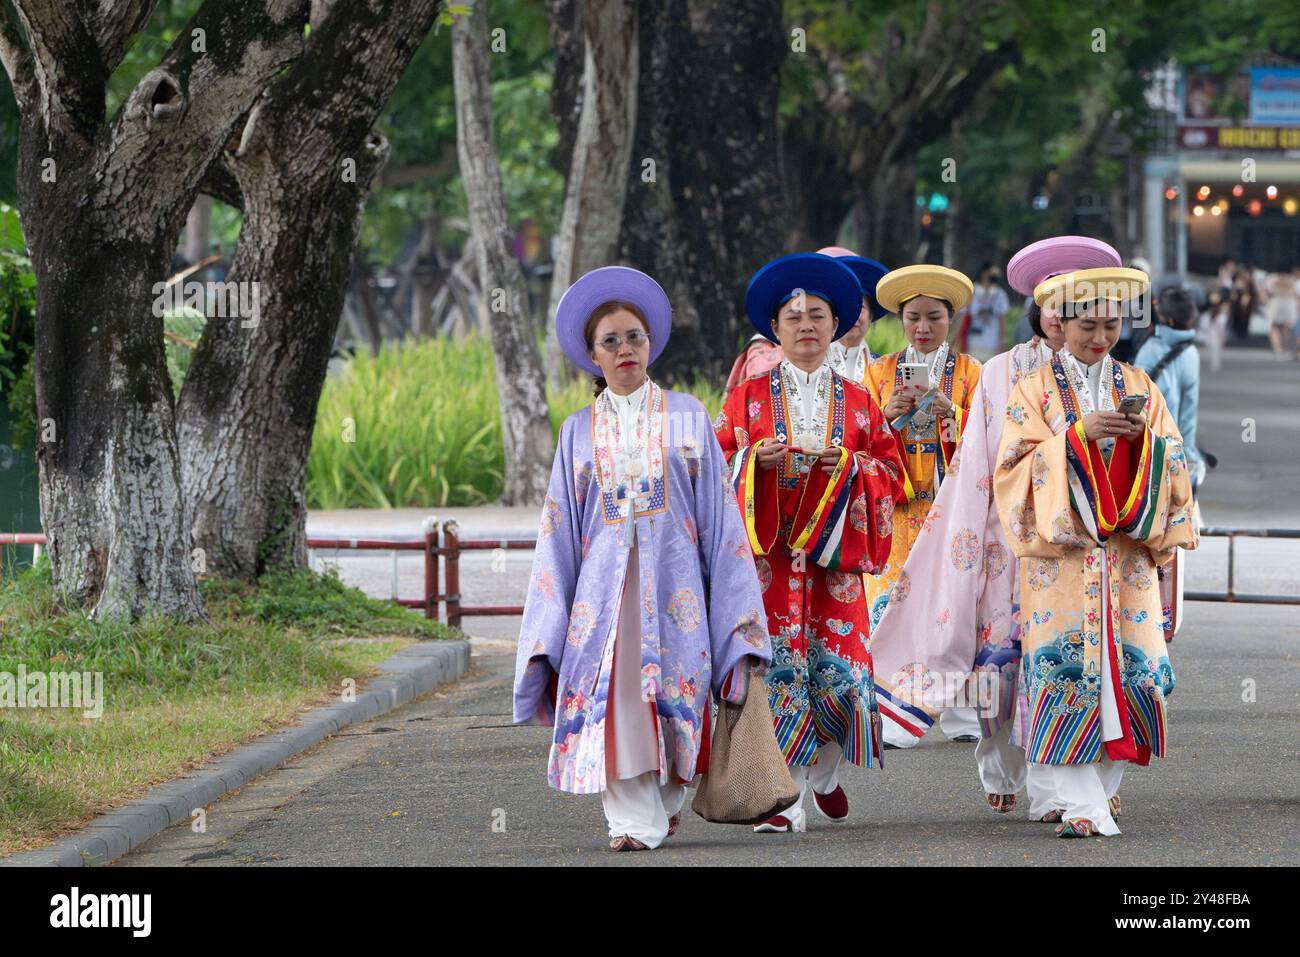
x=734, y=598
x=551, y=587
x=1050, y=486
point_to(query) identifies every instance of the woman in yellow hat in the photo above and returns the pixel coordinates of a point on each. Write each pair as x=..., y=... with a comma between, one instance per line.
x=1093, y=491
x=924, y=391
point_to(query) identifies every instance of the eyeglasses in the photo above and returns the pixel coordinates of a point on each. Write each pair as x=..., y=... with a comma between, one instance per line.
x=636, y=338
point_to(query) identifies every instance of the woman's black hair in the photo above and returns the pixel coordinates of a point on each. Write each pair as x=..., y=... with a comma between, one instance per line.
x=1035, y=316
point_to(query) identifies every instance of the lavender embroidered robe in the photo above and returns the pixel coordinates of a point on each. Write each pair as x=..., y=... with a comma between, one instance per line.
x=701, y=608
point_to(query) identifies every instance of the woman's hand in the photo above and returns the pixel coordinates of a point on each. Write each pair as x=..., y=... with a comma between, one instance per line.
x=829, y=458
x=897, y=405
x=1106, y=425
x=769, y=455
x=1138, y=420
x=942, y=406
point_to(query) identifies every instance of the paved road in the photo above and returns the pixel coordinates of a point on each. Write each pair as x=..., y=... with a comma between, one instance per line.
x=425, y=784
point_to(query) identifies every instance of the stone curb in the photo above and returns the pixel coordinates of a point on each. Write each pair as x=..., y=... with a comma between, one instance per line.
x=406, y=675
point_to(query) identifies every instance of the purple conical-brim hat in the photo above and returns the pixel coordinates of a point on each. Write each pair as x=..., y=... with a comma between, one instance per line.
x=611, y=284
x=1060, y=254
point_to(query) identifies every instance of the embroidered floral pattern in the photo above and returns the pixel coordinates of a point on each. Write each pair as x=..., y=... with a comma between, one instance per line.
x=551, y=518
x=1136, y=570
x=844, y=587
x=1042, y=572
x=858, y=513
x=964, y=550
x=582, y=619
x=684, y=609
x=544, y=583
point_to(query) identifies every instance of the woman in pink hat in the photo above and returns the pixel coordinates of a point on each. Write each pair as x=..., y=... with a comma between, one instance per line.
x=978, y=648
x=644, y=599
x=850, y=355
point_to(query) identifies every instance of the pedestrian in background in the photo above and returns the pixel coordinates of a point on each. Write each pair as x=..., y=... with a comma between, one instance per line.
x=981, y=329
x=1170, y=358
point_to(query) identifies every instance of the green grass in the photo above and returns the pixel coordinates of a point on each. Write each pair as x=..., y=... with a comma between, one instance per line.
x=174, y=695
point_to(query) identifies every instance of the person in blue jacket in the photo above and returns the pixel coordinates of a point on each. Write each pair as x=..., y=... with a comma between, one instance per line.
x=1170, y=358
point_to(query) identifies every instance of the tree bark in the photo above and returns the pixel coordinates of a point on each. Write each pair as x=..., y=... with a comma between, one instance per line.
x=525, y=424
x=307, y=157
x=601, y=156
x=714, y=207
x=103, y=203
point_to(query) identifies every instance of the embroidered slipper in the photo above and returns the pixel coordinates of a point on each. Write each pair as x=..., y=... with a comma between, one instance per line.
x=625, y=843
x=1002, y=803
x=1076, y=827
x=1114, y=806
x=1051, y=817
x=673, y=823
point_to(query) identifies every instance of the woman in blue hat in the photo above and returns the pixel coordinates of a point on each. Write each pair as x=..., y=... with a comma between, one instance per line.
x=644, y=598
x=817, y=472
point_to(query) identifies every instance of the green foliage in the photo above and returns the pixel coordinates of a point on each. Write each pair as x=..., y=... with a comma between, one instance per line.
x=420, y=123
x=281, y=626
x=185, y=324
x=886, y=335
x=17, y=302
x=320, y=604
x=416, y=425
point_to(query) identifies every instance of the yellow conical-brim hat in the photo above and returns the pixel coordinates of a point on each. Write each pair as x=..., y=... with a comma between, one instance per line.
x=924, y=279
x=1116, y=283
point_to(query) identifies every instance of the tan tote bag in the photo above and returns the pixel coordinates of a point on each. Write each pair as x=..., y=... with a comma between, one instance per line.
x=747, y=781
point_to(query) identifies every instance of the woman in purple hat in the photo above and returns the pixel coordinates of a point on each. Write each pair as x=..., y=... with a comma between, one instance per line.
x=644, y=598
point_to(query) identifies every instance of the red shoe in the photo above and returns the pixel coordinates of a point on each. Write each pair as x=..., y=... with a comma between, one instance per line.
x=794, y=823
x=1051, y=817
x=834, y=806
x=1114, y=806
x=673, y=821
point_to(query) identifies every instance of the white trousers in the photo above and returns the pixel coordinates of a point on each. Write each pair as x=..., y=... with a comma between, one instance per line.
x=1003, y=770
x=952, y=722
x=894, y=734
x=955, y=722
x=640, y=807
x=1082, y=791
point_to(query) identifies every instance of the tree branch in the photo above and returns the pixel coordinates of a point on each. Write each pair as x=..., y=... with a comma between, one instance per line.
x=17, y=61
x=118, y=21
x=179, y=116
x=70, y=74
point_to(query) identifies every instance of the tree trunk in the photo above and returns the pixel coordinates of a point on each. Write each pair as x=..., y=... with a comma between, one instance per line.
x=601, y=157
x=712, y=207
x=307, y=158
x=103, y=202
x=525, y=424
x=890, y=201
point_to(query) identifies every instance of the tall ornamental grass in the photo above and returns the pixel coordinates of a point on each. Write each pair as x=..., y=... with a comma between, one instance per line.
x=419, y=425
